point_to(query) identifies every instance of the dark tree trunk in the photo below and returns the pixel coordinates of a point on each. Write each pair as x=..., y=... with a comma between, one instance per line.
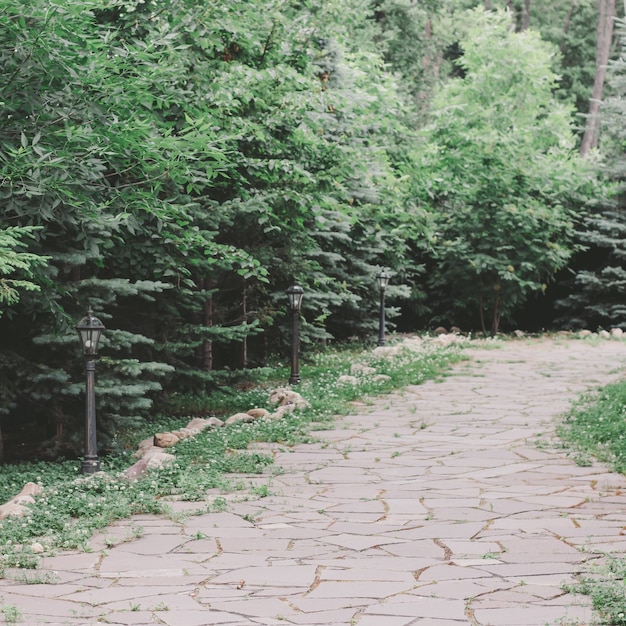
x=526, y=15
x=244, y=343
x=566, y=26
x=481, y=310
x=495, y=322
x=207, y=321
x=568, y=17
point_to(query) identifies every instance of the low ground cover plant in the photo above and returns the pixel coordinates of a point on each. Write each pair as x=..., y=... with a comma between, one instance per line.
x=72, y=507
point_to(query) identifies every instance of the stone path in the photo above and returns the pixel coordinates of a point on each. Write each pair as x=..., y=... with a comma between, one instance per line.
x=445, y=504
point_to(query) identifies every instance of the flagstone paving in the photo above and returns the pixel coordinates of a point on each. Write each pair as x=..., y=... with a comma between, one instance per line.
x=448, y=503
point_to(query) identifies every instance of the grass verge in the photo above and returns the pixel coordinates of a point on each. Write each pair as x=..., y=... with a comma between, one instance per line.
x=72, y=508
x=596, y=428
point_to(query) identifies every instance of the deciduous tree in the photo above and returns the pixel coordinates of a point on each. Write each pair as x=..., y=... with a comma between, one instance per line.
x=501, y=175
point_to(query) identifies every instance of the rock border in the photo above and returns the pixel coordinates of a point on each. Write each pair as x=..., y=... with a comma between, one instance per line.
x=151, y=454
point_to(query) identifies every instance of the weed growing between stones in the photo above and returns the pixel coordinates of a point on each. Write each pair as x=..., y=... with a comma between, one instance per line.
x=606, y=586
x=12, y=615
x=72, y=508
x=36, y=578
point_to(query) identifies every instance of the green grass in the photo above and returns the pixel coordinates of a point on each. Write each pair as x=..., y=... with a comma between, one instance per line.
x=72, y=508
x=596, y=428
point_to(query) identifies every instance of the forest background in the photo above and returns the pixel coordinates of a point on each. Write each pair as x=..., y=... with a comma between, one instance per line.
x=176, y=165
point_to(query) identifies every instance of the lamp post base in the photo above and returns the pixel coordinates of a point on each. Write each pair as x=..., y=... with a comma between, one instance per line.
x=90, y=465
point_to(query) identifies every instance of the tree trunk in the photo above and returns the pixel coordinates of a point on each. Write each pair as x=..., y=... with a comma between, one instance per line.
x=568, y=17
x=481, y=310
x=526, y=15
x=244, y=343
x=207, y=321
x=432, y=59
x=566, y=25
x=495, y=322
x=606, y=13
x=488, y=6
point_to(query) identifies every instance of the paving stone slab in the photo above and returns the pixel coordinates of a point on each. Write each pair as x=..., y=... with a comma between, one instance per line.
x=302, y=576
x=117, y=594
x=520, y=615
x=272, y=607
x=440, y=608
x=131, y=618
x=157, y=603
x=359, y=589
x=375, y=620
x=200, y=617
x=360, y=542
x=36, y=608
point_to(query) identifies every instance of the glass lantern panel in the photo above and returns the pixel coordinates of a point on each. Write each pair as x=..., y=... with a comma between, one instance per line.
x=295, y=295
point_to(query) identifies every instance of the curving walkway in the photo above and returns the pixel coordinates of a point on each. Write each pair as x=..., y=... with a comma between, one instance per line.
x=445, y=504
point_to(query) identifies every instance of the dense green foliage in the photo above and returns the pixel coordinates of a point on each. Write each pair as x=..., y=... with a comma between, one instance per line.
x=14, y=261
x=507, y=181
x=177, y=165
x=184, y=165
x=595, y=297
x=570, y=27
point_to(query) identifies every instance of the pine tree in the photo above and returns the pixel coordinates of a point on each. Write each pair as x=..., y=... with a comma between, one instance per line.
x=91, y=165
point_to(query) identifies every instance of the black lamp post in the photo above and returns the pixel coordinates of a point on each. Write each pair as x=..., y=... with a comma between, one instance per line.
x=295, y=294
x=383, y=281
x=90, y=330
